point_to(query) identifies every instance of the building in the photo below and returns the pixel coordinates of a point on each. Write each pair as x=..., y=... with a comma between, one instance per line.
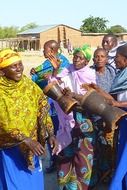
x=34, y=39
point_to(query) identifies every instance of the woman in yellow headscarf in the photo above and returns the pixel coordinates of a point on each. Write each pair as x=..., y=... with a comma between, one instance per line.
x=24, y=126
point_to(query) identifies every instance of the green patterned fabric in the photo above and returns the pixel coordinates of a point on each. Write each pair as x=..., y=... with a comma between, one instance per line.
x=86, y=50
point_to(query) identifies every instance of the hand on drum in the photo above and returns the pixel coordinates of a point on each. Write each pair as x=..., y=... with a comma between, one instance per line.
x=66, y=91
x=90, y=86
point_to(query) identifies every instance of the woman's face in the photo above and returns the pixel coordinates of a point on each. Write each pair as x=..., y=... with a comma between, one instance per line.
x=120, y=61
x=100, y=58
x=79, y=61
x=14, y=71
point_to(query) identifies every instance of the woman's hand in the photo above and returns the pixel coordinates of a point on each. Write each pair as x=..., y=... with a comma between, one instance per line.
x=91, y=86
x=35, y=146
x=114, y=103
x=54, y=144
x=67, y=91
x=87, y=87
x=54, y=61
x=32, y=71
x=106, y=95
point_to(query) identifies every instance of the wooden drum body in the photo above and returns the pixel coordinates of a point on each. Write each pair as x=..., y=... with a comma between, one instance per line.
x=53, y=91
x=93, y=103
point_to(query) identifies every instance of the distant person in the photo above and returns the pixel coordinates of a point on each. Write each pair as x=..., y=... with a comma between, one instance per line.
x=61, y=46
x=69, y=46
x=41, y=76
x=24, y=126
x=110, y=43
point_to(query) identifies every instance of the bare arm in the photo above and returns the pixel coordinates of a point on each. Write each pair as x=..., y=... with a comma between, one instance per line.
x=120, y=104
x=106, y=95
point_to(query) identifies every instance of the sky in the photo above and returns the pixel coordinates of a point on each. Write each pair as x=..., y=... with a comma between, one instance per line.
x=69, y=12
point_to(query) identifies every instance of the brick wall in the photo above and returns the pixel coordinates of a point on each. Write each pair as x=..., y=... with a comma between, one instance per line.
x=62, y=33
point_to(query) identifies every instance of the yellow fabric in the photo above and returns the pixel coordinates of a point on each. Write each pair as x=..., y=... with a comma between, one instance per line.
x=8, y=57
x=23, y=113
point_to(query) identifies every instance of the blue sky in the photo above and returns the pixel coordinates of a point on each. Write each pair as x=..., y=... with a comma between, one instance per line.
x=69, y=12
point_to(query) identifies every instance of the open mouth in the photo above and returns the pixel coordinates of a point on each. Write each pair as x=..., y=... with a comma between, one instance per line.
x=18, y=74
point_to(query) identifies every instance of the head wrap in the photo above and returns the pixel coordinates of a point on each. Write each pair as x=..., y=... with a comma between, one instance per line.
x=86, y=50
x=122, y=50
x=8, y=57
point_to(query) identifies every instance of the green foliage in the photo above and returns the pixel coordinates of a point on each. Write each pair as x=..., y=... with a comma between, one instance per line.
x=11, y=32
x=94, y=25
x=8, y=32
x=28, y=26
x=116, y=29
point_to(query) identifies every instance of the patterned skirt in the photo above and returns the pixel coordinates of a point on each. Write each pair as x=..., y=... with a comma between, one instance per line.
x=77, y=162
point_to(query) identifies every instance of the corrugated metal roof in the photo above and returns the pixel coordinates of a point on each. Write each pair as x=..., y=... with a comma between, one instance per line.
x=38, y=29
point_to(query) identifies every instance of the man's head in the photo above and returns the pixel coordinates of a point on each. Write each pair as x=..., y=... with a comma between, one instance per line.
x=50, y=48
x=109, y=41
x=11, y=65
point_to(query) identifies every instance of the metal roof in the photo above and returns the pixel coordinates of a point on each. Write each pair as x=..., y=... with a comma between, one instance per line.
x=38, y=29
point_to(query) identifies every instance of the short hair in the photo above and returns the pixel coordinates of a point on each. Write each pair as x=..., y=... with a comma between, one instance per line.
x=52, y=44
x=114, y=37
x=100, y=49
x=122, y=50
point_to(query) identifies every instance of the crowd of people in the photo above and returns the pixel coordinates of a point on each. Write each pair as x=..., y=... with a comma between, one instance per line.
x=83, y=150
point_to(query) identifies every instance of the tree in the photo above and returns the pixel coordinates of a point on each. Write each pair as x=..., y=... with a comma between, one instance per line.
x=94, y=24
x=28, y=26
x=8, y=32
x=11, y=32
x=116, y=29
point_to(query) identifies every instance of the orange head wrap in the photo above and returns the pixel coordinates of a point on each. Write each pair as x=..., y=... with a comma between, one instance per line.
x=8, y=57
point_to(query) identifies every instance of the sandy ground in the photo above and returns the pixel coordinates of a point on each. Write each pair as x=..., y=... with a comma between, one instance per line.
x=30, y=60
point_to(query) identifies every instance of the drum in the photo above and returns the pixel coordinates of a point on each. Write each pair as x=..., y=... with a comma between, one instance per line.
x=66, y=102
x=92, y=102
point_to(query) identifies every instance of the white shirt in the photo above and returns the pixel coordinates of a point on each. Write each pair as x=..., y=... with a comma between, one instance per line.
x=122, y=96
